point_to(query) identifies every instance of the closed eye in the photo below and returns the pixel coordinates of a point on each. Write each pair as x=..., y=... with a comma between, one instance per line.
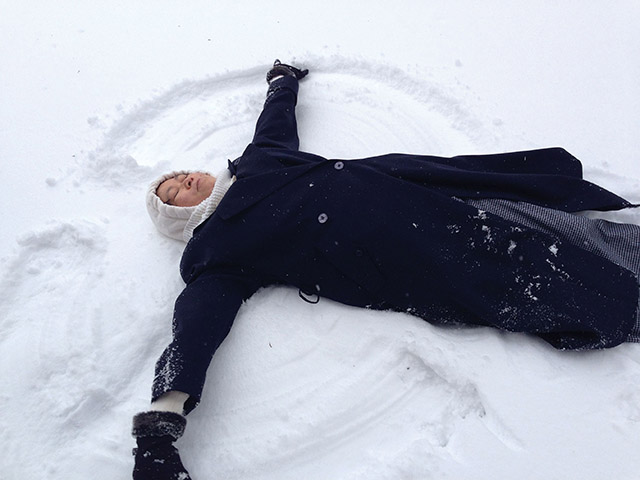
x=171, y=196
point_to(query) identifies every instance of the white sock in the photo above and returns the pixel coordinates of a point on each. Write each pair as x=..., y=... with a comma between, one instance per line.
x=172, y=401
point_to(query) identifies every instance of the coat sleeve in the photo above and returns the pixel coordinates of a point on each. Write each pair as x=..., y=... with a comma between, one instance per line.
x=276, y=126
x=203, y=315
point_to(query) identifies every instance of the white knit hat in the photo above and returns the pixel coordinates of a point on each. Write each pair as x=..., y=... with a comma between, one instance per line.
x=180, y=222
x=168, y=219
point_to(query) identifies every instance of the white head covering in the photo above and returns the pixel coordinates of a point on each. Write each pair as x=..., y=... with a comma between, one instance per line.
x=168, y=219
x=179, y=222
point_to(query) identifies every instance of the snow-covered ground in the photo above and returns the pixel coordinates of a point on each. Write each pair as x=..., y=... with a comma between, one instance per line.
x=98, y=98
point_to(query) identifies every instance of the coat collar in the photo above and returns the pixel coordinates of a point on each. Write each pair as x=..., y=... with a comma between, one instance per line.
x=258, y=175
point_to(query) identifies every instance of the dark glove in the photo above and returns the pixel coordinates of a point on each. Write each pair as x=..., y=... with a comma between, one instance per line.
x=284, y=69
x=156, y=458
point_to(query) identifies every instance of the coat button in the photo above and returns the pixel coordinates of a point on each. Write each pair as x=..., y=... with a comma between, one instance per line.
x=323, y=217
x=338, y=165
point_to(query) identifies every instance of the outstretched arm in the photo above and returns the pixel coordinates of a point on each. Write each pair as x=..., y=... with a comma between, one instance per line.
x=203, y=315
x=276, y=126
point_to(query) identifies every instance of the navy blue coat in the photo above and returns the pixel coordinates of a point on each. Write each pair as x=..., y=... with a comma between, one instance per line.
x=390, y=232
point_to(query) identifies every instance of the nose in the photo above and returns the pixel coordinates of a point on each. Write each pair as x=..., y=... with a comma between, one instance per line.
x=188, y=182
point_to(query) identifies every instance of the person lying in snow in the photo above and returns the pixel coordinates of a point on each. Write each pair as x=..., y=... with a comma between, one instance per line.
x=496, y=240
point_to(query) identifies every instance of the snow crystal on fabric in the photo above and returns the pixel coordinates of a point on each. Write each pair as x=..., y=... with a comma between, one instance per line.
x=617, y=242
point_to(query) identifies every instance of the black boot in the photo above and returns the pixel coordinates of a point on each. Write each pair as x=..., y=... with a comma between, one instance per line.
x=280, y=68
x=156, y=458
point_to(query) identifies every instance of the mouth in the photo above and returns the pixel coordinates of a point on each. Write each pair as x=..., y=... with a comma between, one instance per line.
x=197, y=184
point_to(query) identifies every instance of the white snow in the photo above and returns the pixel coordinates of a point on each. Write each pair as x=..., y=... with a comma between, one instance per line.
x=98, y=98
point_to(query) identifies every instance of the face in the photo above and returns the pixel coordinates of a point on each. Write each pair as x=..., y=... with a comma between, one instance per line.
x=186, y=190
